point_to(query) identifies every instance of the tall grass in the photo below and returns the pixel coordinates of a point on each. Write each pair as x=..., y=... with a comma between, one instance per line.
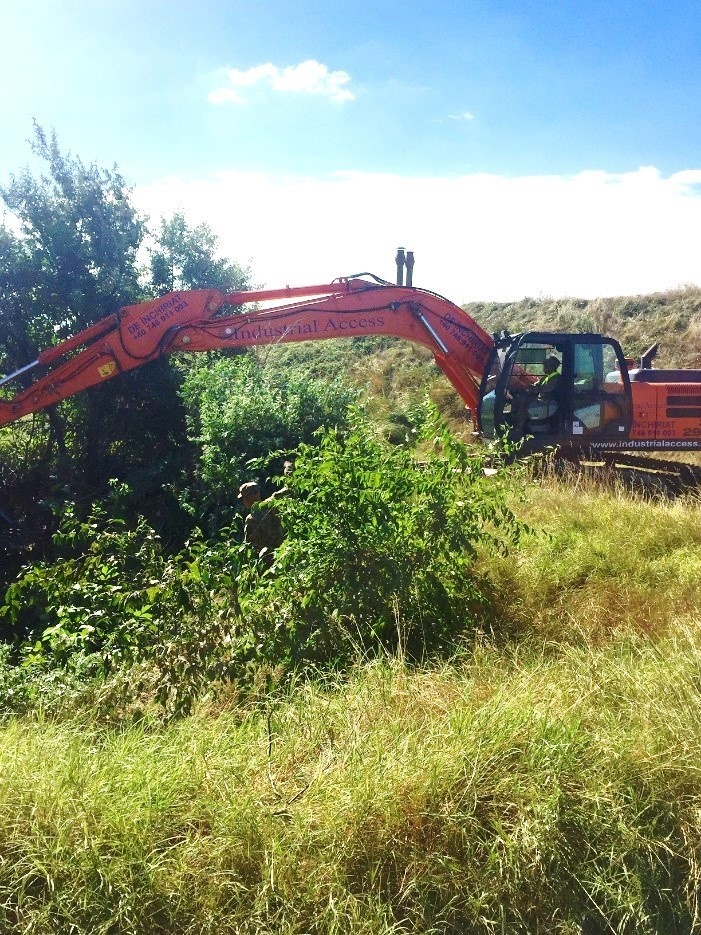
x=602, y=561
x=523, y=792
x=545, y=784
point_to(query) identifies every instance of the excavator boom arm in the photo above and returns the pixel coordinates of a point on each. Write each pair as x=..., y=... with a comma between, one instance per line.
x=194, y=321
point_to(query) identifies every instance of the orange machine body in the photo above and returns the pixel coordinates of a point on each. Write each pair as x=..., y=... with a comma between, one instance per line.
x=666, y=415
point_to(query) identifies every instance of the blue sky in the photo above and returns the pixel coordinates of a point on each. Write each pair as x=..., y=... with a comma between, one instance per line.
x=546, y=148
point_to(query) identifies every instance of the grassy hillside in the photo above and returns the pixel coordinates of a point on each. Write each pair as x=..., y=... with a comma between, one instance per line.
x=385, y=365
x=672, y=318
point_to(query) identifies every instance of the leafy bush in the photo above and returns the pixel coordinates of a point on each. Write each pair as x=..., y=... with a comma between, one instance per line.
x=378, y=557
x=241, y=410
x=100, y=593
x=114, y=599
x=380, y=547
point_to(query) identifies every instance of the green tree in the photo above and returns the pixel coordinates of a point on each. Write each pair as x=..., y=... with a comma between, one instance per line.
x=21, y=336
x=81, y=232
x=185, y=257
x=68, y=258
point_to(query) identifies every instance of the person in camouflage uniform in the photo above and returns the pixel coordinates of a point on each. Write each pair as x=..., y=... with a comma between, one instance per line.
x=262, y=528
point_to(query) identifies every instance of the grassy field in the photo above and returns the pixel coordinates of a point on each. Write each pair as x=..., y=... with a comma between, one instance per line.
x=545, y=779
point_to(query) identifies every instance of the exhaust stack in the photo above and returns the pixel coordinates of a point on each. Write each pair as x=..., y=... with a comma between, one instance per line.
x=400, y=260
x=404, y=260
x=409, y=267
x=648, y=356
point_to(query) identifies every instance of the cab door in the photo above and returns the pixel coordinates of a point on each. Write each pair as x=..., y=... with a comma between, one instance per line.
x=601, y=408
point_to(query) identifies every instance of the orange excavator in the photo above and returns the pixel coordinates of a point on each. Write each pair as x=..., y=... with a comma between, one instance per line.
x=606, y=405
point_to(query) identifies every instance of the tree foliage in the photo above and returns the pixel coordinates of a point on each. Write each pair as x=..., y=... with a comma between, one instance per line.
x=186, y=257
x=68, y=258
x=77, y=247
x=72, y=262
x=21, y=335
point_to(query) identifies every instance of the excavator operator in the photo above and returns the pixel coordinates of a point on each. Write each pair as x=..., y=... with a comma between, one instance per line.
x=538, y=401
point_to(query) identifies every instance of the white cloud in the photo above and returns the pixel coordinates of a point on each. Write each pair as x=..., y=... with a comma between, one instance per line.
x=308, y=77
x=476, y=237
x=466, y=115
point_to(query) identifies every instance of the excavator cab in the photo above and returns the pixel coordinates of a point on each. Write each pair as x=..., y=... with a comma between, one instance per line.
x=585, y=398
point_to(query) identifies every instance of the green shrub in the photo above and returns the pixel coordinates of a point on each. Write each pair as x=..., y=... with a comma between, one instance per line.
x=100, y=594
x=380, y=547
x=241, y=410
x=114, y=599
x=378, y=558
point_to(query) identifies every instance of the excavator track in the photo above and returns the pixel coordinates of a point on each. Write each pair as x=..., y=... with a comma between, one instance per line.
x=642, y=474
